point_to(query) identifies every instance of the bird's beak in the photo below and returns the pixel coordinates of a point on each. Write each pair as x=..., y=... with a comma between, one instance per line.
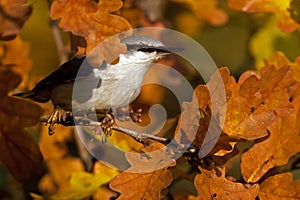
x=167, y=51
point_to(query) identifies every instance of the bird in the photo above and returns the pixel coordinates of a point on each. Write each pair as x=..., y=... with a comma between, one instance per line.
x=78, y=86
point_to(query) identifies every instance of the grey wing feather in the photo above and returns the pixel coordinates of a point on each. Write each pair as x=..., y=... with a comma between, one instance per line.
x=65, y=73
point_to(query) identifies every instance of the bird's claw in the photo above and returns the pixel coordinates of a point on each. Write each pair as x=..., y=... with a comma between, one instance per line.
x=57, y=116
x=54, y=118
x=107, y=123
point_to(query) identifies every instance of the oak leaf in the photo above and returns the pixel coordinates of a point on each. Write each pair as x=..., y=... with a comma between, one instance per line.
x=141, y=185
x=279, y=8
x=197, y=120
x=19, y=152
x=146, y=177
x=280, y=187
x=261, y=100
x=13, y=15
x=90, y=20
x=282, y=143
x=211, y=186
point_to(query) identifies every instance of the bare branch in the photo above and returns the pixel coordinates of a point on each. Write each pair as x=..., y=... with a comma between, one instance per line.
x=140, y=137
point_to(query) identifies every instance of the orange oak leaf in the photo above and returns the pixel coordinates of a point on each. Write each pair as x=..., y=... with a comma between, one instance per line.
x=279, y=8
x=90, y=20
x=260, y=101
x=280, y=59
x=197, y=120
x=138, y=186
x=146, y=177
x=211, y=186
x=13, y=14
x=74, y=15
x=206, y=11
x=282, y=143
x=19, y=152
x=280, y=187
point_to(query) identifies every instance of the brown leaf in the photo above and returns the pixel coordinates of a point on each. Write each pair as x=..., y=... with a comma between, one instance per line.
x=19, y=153
x=149, y=174
x=13, y=14
x=276, y=150
x=279, y=8
x=109, y=50
x=90, y=20
x=73, y=15
x=138, y=186
x=280, y=187
x=211, y=186
x=197, y=122
x=16, y=114
x=9, y=79
x=260, y=102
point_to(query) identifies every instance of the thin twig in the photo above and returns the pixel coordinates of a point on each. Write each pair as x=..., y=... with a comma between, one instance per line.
x=57, y=38
x=138, y=136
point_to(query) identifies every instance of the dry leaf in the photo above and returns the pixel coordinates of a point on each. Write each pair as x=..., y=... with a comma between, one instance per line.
x=90, y=20
x=138, y=186
x=276, y=150
x=150, y=177
x=279, y=8
x=197, y=122
x=260, y=102
x=19, y=152
x=210, y=186
x=280, y=187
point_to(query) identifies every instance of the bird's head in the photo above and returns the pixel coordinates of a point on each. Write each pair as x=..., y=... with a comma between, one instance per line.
x=142, y=48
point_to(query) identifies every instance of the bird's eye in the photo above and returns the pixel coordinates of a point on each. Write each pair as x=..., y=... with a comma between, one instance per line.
x=147, y=49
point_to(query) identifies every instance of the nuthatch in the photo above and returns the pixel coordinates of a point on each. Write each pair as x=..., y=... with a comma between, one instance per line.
x=76, y=85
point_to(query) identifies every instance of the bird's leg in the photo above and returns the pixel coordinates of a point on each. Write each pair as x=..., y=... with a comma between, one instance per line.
x=106, y=123
x=58, y=116
x=55, y=117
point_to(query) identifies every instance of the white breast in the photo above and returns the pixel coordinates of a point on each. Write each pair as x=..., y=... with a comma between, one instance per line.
x=120, y=83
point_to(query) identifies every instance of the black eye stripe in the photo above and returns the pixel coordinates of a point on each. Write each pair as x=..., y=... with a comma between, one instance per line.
x=149, y=50
x=145, y=48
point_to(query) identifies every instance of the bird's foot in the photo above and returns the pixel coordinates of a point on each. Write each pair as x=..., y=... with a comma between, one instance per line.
x=58, y=116
x=125, y=114
x=106, y=124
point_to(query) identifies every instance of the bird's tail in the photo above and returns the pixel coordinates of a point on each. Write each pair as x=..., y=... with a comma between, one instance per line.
x=29, y=94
